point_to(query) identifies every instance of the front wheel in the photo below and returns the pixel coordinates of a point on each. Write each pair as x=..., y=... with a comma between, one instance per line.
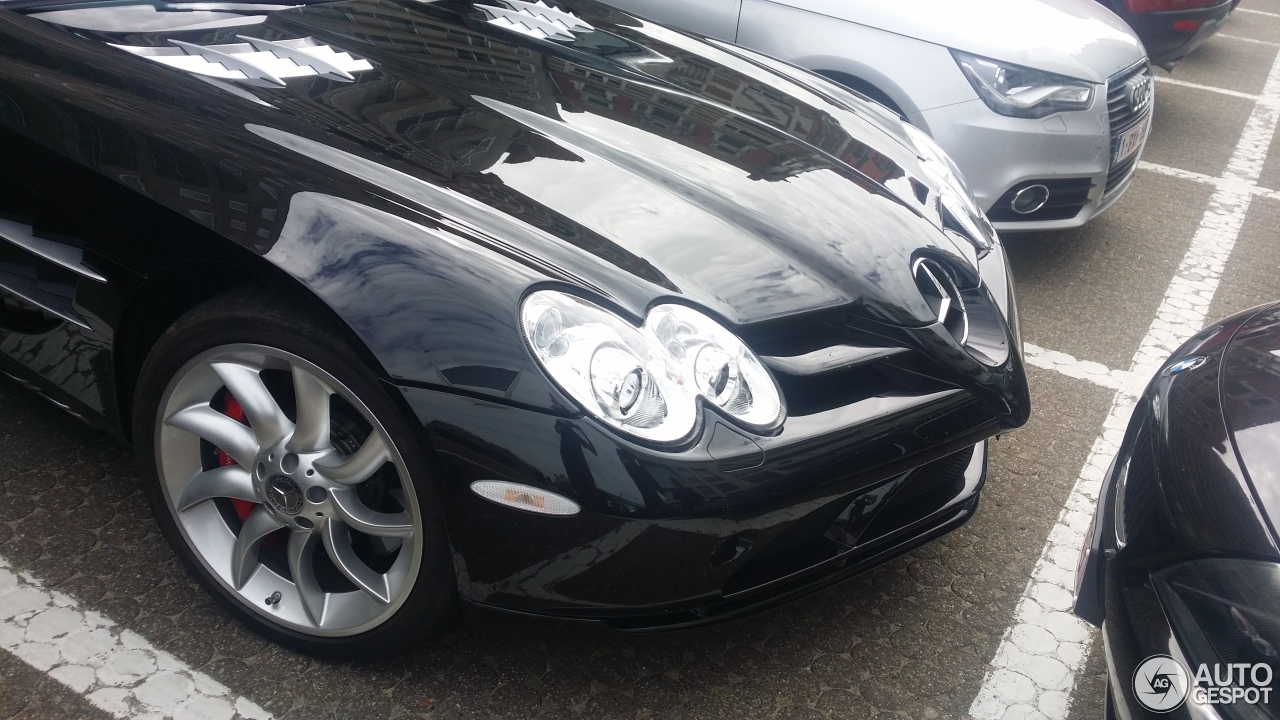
x=289, y=482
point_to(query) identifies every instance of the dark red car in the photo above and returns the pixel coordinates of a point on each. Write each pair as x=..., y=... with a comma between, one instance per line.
x=1172, y=28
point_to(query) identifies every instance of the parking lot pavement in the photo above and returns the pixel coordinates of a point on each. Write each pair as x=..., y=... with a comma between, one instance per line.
x=912, y=639
x=1091, y=292
x=1253, y=274
x=29, y=693
x=1195, y=129
x=1271, y=6
x=1236, y=66
x=1259, y=21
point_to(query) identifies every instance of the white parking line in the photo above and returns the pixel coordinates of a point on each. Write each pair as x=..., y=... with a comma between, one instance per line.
x=116, y=670
x=1197, y=86
x=1232, y=183
x=1094, y=372
x=1034, y=669
x=1179, y=173
x=1257, y=12
x=1225, y=36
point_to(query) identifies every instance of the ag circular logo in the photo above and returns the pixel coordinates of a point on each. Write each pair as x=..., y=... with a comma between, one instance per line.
x=284, y=495
x=1161, y=684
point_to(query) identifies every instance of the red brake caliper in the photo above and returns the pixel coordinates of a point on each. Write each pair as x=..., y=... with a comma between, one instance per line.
x=231, y=408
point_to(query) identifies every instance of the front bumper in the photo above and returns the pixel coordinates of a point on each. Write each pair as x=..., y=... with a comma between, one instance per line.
x=673, y=539
x=1069, y=152
x=874, y=459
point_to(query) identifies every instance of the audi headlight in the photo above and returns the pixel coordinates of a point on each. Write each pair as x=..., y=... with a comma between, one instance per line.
x=959, y=211
x=647, y=381
x=1016, y=91
x=1227, y=612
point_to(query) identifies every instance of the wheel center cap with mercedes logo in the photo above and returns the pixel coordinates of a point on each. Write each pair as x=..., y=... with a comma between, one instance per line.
x=284, y=495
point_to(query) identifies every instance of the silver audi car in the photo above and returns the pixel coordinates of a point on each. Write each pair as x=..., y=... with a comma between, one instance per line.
x=1044, y=105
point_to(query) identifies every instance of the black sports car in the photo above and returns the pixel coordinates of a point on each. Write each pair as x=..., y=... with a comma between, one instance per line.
x=539, y=306
x=1170, y=29
x=1182, y=565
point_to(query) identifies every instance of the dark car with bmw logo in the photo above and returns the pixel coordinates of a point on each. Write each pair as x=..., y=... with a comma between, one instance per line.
x=538, y=307
x=1181, y=567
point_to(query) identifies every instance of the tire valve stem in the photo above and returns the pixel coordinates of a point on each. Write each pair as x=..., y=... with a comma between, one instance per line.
x=274, y=599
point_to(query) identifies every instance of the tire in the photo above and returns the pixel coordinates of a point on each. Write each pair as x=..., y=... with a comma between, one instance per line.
x=289, y=482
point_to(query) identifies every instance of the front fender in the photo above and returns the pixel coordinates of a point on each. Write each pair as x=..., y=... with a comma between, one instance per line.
x=433, y=308
x=1185, y=477
x=926, y=76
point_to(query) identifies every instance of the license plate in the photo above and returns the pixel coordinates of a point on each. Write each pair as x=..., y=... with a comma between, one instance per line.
x=1129, y=142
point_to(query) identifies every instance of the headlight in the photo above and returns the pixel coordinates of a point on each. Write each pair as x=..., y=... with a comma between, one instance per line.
x=1016, y=91
x=647, y=381
x=1226, y=611
x=960, y=212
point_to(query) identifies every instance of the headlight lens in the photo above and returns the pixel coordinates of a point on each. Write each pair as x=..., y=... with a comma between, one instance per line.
x=1021, y=92
x=1226, y=611
x=646, y=381
x=960, y=212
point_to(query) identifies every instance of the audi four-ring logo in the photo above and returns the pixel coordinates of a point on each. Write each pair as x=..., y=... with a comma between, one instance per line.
x=1140, y=93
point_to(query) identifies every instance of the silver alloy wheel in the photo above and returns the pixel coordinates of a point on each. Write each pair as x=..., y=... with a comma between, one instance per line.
x=298, y=481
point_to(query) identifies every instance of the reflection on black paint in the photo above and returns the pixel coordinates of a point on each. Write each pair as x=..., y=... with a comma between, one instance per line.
x=574, y=445
x=421, y=201
x=1251, y=403
x=422, y=111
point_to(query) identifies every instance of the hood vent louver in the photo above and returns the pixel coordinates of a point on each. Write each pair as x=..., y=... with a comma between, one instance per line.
x=263, y=63
x=536, y=19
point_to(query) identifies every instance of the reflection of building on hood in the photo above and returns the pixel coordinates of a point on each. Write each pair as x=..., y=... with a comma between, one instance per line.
x=1262, y=389
x=436, y=43
x=176, y=176
x=759, y=102
x=761, y=152
x=445, y=136
x=421, y=110
x=1197, y=404
x=534, y=80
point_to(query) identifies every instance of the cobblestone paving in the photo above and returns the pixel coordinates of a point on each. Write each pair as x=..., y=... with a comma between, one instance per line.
x=29, y=693
x=116, y=670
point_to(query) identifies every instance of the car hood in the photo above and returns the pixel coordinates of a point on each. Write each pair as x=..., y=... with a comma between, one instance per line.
x=1250, y=388
x=634, y=160
x=1077, y=38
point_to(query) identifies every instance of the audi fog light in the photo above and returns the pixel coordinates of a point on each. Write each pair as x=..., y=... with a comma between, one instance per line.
x=647, y=381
